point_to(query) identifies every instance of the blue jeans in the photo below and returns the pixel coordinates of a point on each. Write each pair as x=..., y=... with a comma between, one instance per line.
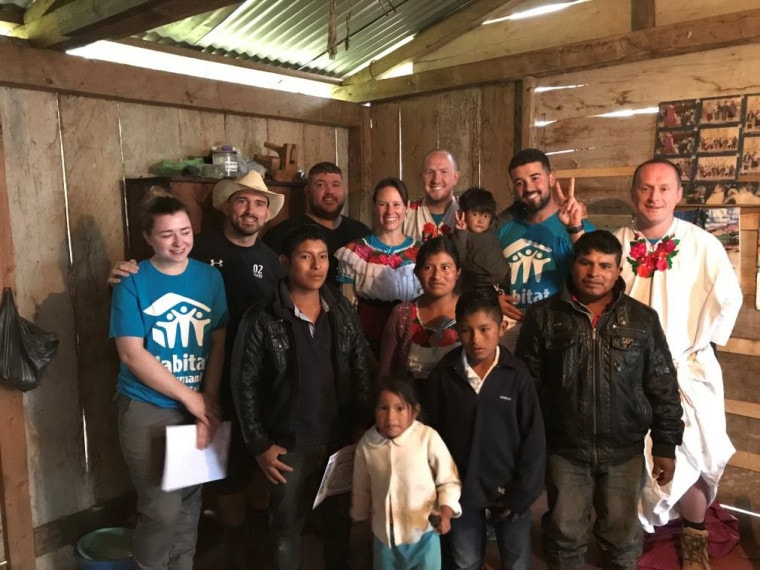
x=290, y=503
x=465, y=545
x=167, y=522
x=613, y=492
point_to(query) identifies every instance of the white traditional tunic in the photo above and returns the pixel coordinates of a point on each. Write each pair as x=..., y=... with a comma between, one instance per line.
x=419, y=223
x=697, y=299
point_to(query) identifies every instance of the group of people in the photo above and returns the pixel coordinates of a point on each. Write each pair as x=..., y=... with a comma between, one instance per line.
x=477, y=357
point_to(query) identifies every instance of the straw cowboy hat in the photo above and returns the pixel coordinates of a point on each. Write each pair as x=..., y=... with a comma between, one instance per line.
x=251, y=180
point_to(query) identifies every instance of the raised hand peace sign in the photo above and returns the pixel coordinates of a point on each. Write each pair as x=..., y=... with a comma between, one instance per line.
x=570, y=211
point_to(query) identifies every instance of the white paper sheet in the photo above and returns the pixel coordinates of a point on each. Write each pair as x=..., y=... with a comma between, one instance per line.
x=186, y=465
x=338, y=474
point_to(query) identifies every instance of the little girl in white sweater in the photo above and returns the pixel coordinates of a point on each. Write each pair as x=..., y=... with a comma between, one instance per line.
x=403, y=473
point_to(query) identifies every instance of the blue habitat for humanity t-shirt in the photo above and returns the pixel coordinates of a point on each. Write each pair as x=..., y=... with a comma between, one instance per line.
x=539, y=257
x=175, y=316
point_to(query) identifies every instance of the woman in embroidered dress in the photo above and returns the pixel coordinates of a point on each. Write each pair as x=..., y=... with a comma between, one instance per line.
x=378, y=270
x=420, y=332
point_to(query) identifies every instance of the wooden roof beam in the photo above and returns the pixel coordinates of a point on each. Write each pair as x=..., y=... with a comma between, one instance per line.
x=81, y=22
x=434, y=37
x=12, y=14
x=651, y=43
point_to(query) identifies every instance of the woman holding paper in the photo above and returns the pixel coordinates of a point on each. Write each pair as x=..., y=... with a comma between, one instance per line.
x=168, y=323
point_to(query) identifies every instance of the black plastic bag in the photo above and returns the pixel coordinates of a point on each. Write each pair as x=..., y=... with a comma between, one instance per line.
x=25, y=349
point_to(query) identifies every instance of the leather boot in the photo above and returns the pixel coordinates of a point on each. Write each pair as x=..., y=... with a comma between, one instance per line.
x=694, y=549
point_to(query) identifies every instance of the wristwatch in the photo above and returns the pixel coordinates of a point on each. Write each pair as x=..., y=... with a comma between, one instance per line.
x=574, y=229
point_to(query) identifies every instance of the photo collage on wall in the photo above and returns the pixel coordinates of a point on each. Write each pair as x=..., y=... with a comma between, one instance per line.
x=716, y=144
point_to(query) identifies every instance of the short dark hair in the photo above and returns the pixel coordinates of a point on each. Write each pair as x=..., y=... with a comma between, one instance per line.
x=527, y=156
x=325, y=168
x=440, y=244
x=477, y=199
x=400, y=384
x=158, y=202
x=656, y=160
x=598, y=240
x=392, y=182
x=476, y=300
x=299, y=234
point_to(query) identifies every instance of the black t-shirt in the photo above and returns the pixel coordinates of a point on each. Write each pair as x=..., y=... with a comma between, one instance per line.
x=347, y=231
x=249, y=273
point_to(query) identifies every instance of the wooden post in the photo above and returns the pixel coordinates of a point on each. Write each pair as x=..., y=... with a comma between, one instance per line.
x=642, y=14
x=526, y=114
x=18, y=534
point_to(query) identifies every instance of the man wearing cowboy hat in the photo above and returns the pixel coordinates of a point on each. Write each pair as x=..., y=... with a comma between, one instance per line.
x=250, y=270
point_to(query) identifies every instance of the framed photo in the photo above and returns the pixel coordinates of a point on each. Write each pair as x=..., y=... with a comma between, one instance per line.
x=716, y=167
x=678, y=114
x=721, y=110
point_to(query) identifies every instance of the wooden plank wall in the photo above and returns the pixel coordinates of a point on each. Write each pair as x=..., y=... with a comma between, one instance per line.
x=595, y=142
x=65, y=158
x=476, y=125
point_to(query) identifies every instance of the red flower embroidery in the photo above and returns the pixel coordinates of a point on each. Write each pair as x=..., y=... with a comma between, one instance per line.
x=644, y=262
x=430, y=230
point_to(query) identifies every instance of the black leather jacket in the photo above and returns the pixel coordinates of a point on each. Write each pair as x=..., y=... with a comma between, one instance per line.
x=265, y=372
x=602, y=388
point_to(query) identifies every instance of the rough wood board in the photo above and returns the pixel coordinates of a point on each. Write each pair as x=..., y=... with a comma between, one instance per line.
x=672, y=11
x=744, y=433
x=418, y=122
x=746, y=409
x=16, y=520
x=610, y=141
x=740, y=378
x=199, y=131
x=458, y=130
x=748, y=261
x=746, y=460
x=385, y=149
x=90, y=136
x=318, y=146
x=748, y=322
x=30, y=68
x=647, y=83
x=354, y=147
x=246, y=133
x=149, y=134
x=281, y=132
x=497, y=112
x=579, y=23
x=59, y=482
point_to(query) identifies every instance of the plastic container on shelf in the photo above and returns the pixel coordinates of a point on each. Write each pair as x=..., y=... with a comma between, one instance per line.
x=226, y=155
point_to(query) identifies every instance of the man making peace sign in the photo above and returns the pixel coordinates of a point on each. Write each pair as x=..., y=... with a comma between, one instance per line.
x=538, y=242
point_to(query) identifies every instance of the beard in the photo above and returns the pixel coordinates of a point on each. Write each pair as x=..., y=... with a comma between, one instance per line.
x=534, y=207
x=324, y=214
x=245, y=230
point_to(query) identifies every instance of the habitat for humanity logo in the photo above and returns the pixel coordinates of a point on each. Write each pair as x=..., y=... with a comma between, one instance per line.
x=183, y=320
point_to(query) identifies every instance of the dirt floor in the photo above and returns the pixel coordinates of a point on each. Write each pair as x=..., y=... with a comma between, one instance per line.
x=737, y=490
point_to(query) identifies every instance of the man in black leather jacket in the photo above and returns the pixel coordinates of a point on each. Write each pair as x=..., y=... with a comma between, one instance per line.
x=301, y=389
x=605, y=377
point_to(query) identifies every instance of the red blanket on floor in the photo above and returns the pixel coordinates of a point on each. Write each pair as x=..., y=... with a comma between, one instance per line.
x=661, y=548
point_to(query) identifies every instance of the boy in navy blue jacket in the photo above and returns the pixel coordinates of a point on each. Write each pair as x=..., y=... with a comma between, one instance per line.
x=483, y=402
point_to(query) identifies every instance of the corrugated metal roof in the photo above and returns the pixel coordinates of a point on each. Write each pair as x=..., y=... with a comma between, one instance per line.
x=293, y=33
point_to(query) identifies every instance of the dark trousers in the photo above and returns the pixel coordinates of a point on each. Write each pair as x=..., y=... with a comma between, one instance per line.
x=290, y=504
x=465, y=545
x=613, y=492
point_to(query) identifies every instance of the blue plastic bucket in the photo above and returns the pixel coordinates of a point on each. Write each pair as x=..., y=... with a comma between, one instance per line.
x=105, y=549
